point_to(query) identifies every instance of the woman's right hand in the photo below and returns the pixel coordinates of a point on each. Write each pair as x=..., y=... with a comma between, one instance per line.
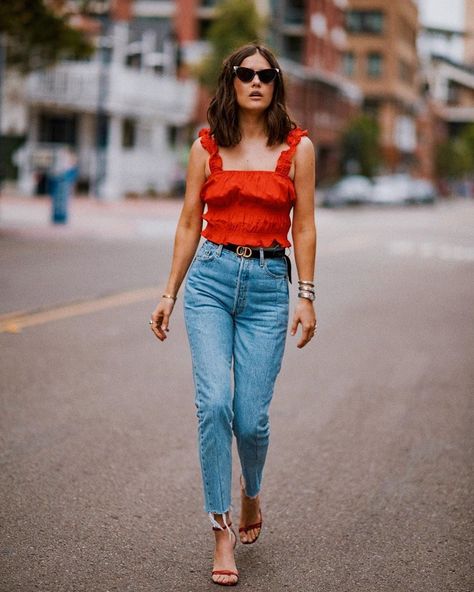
x=188, y=232
x=161, y=318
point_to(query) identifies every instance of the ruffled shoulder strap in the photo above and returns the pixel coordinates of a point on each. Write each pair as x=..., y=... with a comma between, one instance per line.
x=293, y=139
x=208, y=142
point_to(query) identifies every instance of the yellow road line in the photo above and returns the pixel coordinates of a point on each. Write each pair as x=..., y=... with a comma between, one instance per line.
x=16, y=321
x=12, y=323
x=11, y=315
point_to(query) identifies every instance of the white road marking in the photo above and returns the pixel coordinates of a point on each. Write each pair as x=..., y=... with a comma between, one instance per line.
x=431, y=250
x=348, y=243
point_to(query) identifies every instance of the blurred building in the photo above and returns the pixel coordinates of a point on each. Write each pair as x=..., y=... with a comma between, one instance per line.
x=310, y=39
x=381, y=58
x=469, y=33
x=121, y=112
x=446, y=50
x=443, y=29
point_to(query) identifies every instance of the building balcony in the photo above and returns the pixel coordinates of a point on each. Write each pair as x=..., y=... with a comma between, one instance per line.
x=78, y=87
x=461, y=114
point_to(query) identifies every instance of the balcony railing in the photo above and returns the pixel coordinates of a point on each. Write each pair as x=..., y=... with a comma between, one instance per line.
x=75, y=86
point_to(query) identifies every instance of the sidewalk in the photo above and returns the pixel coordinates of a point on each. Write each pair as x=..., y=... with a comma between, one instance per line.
x=142, y=219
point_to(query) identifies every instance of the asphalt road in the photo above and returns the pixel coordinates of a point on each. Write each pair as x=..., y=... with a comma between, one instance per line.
x=368, y=483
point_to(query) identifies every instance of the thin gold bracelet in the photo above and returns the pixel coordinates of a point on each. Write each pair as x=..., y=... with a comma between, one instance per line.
x=169, y=296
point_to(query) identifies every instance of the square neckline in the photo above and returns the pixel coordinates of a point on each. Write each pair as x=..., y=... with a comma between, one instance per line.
x=283, y=164
x=274, y=170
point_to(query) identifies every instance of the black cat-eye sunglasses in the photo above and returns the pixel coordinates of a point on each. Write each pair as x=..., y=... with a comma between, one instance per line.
x=247, y=74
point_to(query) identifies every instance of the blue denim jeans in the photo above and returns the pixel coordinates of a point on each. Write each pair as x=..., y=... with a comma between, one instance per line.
x=236, y=314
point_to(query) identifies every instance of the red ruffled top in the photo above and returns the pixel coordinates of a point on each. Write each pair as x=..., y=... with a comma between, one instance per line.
x=249, y=207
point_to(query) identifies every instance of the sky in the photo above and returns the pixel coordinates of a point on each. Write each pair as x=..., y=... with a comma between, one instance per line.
x=442, y=13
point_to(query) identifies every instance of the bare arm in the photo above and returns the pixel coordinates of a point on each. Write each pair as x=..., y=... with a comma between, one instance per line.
x=186, y=240
x=304, y=235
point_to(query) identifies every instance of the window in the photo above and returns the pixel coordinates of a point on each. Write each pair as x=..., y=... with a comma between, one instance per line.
x=372, y=107
x=58, y=129
x=204, y=26
x=294, y=13
x=374, y=65
x=128, y=133
x=293, y=48
x=453, y=93
x=348, y=63
x=364, y=21
x=134, y=60
x=172, y=135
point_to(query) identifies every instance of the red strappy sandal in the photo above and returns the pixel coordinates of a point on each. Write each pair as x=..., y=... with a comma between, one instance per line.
x=226, y=572
x=250, y=526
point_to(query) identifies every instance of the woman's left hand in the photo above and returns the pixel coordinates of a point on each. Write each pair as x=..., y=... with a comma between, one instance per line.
x=306, y=315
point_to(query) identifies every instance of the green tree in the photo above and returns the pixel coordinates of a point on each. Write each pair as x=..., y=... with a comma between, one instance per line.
x=237, y=22
x=37, y=36
x=468, y=137
x=455, y=157
x=360, y=145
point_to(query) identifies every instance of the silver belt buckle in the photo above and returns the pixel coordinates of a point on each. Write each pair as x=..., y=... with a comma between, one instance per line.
x=244, y=251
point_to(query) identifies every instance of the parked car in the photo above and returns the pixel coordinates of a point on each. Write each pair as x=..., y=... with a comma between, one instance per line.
x=423, y=192
x=390, y=189
x=402, y=189
x=351, y=190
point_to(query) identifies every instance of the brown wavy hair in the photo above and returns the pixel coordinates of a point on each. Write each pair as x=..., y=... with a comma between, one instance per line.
x=223, y=112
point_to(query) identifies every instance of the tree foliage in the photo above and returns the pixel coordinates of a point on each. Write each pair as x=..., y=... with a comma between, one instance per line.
x=37, y=36
x=467, y=136
x=360, y=145
x=237, y=22
x=454, y=157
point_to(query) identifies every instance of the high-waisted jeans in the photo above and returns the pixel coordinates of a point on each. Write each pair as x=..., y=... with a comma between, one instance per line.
x=236, y=314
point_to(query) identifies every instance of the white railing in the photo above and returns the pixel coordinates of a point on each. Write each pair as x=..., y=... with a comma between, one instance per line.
x=75, y=86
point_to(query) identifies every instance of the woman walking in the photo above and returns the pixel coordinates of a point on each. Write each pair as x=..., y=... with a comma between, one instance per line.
x=249, y=169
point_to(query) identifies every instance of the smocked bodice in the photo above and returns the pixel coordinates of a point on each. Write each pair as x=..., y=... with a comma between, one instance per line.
x=249, y=207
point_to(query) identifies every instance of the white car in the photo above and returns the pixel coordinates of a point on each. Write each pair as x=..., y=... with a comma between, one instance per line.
x=354, y=189
x=391, y=189
x=402, y=189
x=423, y=191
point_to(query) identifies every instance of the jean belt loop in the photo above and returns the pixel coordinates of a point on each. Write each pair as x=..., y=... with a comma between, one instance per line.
x=219, y=250
x=262, y=258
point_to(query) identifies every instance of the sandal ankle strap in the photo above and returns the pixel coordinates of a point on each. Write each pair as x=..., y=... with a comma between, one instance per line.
x=223, y=528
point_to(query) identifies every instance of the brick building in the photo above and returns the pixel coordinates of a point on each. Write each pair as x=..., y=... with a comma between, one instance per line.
x=382, y=59
x=310, y=38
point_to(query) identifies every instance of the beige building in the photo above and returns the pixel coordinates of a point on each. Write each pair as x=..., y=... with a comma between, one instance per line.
x=469, y=32
x=381, y=58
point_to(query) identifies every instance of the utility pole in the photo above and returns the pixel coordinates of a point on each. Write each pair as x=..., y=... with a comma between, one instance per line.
x=101, y=114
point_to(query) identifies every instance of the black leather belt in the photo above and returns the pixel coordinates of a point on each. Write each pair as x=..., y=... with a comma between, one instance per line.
x=250, y=253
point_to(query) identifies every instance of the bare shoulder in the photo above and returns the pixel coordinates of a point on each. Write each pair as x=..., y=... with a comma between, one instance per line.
x=198, y=150
x=305, y=149
x=197, y=156
x=305, y=157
